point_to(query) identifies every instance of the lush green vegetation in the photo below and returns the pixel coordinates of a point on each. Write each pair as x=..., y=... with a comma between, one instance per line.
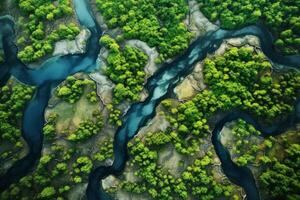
x=241, y=79
x=281, y=178
x=105, y=150
x=73, y=88
x=38, y=185
x=114, y=115
x=196, y=180
x=87, y=128
x=36, y=37
x=274, y=160
x=49, y=128
x=202, y=184
x=158, y=23
x=62, y=167
x=245, y=144
x=66, y=161
x=13, y=99
x=126, y=69
x=281, y=17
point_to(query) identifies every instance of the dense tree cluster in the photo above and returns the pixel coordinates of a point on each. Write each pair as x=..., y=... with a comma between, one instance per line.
x=38, y=184
x=159, y=183
x=245, y=144
x=282, y=18
x=49, y=128
x=196, y=180
x=243, y=78
x=114, y=115
x=87, y=128
x=73, y=88
x=36, y=40
x=158, y=23
x=82, y=165
x=200, y=181
x=276, y=160
x=60, y=168
x=13, y=99
x=282, y=177
x=64, y=163
x=105, y=150
x=126, y=69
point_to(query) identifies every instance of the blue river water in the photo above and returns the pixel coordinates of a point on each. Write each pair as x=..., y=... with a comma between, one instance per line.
x=45, y=78
x=159, y=86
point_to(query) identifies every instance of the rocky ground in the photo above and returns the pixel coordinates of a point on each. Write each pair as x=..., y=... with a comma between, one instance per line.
x=77, y=46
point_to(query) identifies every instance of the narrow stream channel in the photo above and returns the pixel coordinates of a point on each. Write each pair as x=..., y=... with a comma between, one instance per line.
x=48, y=76
x=160, y=85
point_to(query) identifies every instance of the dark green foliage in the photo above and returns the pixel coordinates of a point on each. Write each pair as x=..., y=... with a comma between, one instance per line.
x=105, y=150
x=159, y=183
x=201, y=183
x=49, y=128
x=281, y=16
x=87, y=128
x=158, y=23
x=36, y=40
x=114, y=115
x=282, y=178
x=13, y=99
x=245, y=144
x=242, y=78
x=126, y=69
x=59, y=170
x=196, y=180
x=73, y=88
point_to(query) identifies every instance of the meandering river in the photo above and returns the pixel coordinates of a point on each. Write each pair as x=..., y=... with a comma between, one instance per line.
x=160, y=85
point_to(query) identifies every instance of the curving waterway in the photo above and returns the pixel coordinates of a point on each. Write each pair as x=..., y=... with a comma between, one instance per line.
x=159, y=86
x=45, y=78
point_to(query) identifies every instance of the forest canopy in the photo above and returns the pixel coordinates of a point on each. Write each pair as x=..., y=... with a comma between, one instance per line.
x=282, y=17
x=158, y=23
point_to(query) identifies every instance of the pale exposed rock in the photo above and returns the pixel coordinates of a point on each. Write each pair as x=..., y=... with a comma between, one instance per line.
x=103, y=53
x=77, y=192
x=109, y=181
x=158, y=123
x=104, y=86
x=226, y=135
x=197, y=22
x=248, y=40
x=191, y=85
x=169, y=158
x=77, y=46
x=144, y=95
x=131, y=196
